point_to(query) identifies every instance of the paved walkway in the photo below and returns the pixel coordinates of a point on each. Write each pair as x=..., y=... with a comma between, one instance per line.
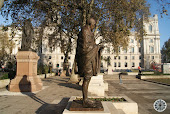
x=142, y=92
x=56, y=93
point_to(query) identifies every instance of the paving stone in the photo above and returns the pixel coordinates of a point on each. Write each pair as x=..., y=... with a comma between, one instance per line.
x=54, y=98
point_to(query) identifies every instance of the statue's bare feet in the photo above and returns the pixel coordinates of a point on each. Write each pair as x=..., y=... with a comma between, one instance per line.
x=89, y=103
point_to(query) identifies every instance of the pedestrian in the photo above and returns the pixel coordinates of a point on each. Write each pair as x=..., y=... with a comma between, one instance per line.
x=139, y=68
x=120, y=78
x=3, y=68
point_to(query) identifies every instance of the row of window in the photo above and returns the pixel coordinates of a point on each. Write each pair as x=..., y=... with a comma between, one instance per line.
x=50, y=57
x=132, y=57
x=125, y=64
x=132, y=50
x=125, y=57
x=58, y=65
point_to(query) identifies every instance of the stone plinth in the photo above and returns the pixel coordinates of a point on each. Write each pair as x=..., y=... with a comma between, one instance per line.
x=63, y=74
x=26, y=79
x=129, y=107
x=77, y=105
x=97, y=85
x=166, y=68
x=125, y=107
x=110, y=70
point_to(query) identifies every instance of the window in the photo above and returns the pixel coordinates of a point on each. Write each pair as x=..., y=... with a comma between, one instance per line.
x=102, y=64
x=61, y=57
x=132, y=50
x=108, y=50
x=139, y=57
x=119, y=49
x=51, y=49
x=132, y=41
x=150, y=28
x=57, y=65
x=133, y=57
x=140, y=64
x=108, y=62
x=126, y=64
x=133, y=64
x=69, y=57
x=125, y=51
x=151, y=40
x=139, y=49
x=125, y=57
x=119, y=57
x=115, y=57
x=115, y=64
x=151, y=49
x=50, y=57
x=152, y=57
x=119, y=65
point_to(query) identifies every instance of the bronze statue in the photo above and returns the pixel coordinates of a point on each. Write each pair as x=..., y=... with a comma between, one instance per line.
x=27, y=35
x=87, y=58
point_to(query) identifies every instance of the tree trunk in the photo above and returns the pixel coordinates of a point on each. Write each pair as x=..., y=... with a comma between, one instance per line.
x=83, y=13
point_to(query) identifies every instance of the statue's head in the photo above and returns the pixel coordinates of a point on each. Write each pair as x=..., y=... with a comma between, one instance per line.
x=92, y=23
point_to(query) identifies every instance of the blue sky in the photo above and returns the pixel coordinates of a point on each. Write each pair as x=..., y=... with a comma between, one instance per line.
x=164, y=23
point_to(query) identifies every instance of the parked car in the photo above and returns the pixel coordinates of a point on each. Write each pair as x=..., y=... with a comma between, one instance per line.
x=128, y=70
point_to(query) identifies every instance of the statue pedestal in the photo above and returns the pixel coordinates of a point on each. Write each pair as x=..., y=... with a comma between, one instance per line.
x=110, y=70
x=124, y=107
x=97, y=85
x=26, y=79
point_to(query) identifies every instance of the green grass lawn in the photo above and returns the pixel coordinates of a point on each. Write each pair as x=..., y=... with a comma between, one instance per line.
x=3, y=76
x=165, y=81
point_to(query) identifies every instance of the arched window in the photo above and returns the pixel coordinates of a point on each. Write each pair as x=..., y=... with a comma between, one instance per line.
x=151, y=49
x=150, y=28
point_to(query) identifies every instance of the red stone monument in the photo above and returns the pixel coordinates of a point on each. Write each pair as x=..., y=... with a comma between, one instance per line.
x=26, y=79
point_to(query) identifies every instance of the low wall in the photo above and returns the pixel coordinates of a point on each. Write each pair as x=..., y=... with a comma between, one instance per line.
x=5, y=82
x=147, y=72
x=153, y=77
x=132, y=73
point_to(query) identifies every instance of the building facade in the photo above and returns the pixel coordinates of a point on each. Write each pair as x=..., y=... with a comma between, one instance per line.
x=142, y=54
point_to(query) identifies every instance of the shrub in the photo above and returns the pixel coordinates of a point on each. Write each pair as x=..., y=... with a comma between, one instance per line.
x=5, y=76
x=42, y=69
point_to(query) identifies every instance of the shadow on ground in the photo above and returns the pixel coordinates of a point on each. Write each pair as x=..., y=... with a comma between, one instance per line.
x=55, y=80
x=53, y=108
x=70, y=85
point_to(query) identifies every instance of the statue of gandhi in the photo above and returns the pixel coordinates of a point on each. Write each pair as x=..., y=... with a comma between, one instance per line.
x=88, y=58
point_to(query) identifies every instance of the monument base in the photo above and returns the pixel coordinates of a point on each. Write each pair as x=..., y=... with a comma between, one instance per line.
x=26, y=79
x=77, y=105
x=97, y=85
x=25, y=84
x=63, y=74
x=126, y=107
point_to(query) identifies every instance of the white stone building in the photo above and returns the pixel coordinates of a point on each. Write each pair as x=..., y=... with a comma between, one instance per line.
x=143, y=54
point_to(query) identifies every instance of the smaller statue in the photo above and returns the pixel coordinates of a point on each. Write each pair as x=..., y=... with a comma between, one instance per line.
x=27, y=35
